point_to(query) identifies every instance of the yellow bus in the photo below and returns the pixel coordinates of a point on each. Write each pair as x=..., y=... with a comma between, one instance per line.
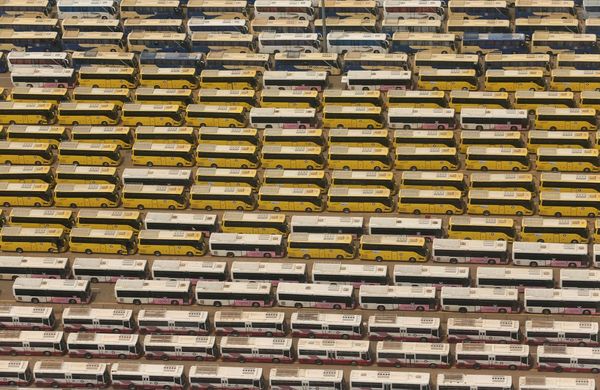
x=292, y=157
x=426, y=158
x=227, y=156
x=434, y=181
x=589, y=99
x=254, y=223
x=497, y=159
x=359, y=137
x=412, y=42
x=320, y=246
x=362, y=200
x=41, y=218
x=570, y=182
x=26, y=174
x=151, y=196
x=202, y=115
x=353, y=117
x=112, y=220
x=117, y=96
x=575, y=80
x=569, y=204
x=165, y=135
x=88, y=241
x=518, y=62
x=562, y=42
x=223, y=97
x=86, y=195
x=39, y=95
x=577, y=61
x=359, y=158
x=118, y=135
x=502, y=139
x=228, y=177
x=532, y=100
x=566, y=159
x=162, y=154
x=392, y=248
x=514, y=80
x=228, y=79
x=548, y=118
x=558, y=139
x=435, y=138
x=413, y=201
x=554, y=230
x=99, y=41
x=481, y=228
x=245, y=136
x=478, y=99
x=23, y=239
x=447, y=79
x=155, y=77
x=156, y=41
x=363, y=179
x=219, y=197
x=146, y=115
x=107, y=77
x=204, y=42
x=279, y=198
x=27, y=113
x=25, y=194
x=414, y=99
x=502, y=181
x=342, y=97
x=171, y=242
x=88, y=114
x=289, y=98
x=210, y=9
x=296, y=178
x=491, y=202
x=31, y=153
x=294, y=137
x=53, y=135
x=85, y=153
x=82, y=174
x=182, y=97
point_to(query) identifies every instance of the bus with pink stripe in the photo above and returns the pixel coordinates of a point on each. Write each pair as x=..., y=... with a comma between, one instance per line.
x=256, y=349
x=36, y=290
x=246, y=294
x=322, y=351
x=104, y=345
x=155, y=292
x=322, y=296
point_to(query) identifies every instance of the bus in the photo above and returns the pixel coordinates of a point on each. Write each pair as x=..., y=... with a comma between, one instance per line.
x=413, y=201
x=531, y=100
x=286, y=118
x=319, y=295
x=226, y=156
x=326, y=224
x=502, y=181
x=172, y=25
x=447, y=79
x=459, y=9
x=279, y=25
x=518, y=61
x=564, y=358
x=155, y=292
x=86, y=9
x=492, y=202
x=577, y=61
x=377, y=80
x=172, y=322
x=142, y=196
x=245, y=245
x=341, y=97
x=554, y=43
x=476, y=330
x=123, y=375
x=279, y=198
x=474, y=355
x=76, y=40
x=292, y=157
x=393, y=247
x=240, y=136
x=321, y=351
x=424, y=138
x=25, y=113
x=29, y=41
x=96, y=58
x=253, y=223
x=569, y=204
x=27, y=174
x=371, y=379
x=296, y=378
x=561, y=301
x=548, y=118
x=256, y=349
x=31, y=342
x=351, y=117
x=513, y=80
x=321, y=245
x=569, y=182
x=535, y=254
x=246, y=294
x=293, y=137
x=414, y=99
x=117, y=96
x=88, y=241
x=284, y=9
x=480, y=299
x=326, y=325
x=88, y=114
x=579, y=333
x=107, y=77
x=16, y=59
x=589, y=99
x=220, y=60
x=296, y=178
x=514, y=277
x=151, y=76
x=374, y=138
x=392, y=26
x=226, y=26
x=270, y=42
x=425, y=227
x=193, y=271
x=172, y=60
x=213, y=197
x=410, y=354
x=181, y=96
x=205, y=223
x=431, y=10
x=99, y=270
x=318, y=62
x=249, y=323
x=27, y=318
x=101, y=345
x=426, y=158
x=399, y=328
x=162, y=154
x=79, y=174
x=567, y=159
x=493, y=119
x=180, y=347
x=421, y=118
x=373, y=61
x=405, y=298
x=70, y=374
x=157, y=41
x=36, y=290
x=363, y=179
x=33, y=267
x=413, y=42
x=171, y=242
x=226, y=377
x=348, y=199
x=28, y=217
x=481, y=228
x=242, y=271
x=557, y=383
x=38, y=95
x=98, y=320
x=32, y=239
x=349, y=274
x=145, y=115
x=558, y=139
x=25, y=194
x=228, y=177
x=497, y=158
x=42, y=77
x=217, y=97
x=557, y=230
x=469, y=251
x=103, y=219
x=288, y=98
x=87, y=153
x=226, y=9
x=228, y=79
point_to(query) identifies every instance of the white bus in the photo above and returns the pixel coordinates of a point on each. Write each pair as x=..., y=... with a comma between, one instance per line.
x=226, y=377
x=246, y=245
x=514, y=277
x=562, y=301
x=192, y=270
x=483, y=330
x=250, y=323
x=427, y=227
x=234, y=294
x=480, y=299
x=205, y=223
x=579, y=278
x=295, y=80
x=272, y=42
x=469, y=251
x=401, y=328
x=377, y=80
x=409, y=354
x=421, y=118
x=419, y=9
x=103, y=345
x=158, y=176
x=36, y=290
x=273, y=9
x=352, y=274
x=579, y=333
x=303, y=378
x=253, y=271
x=11, y=267
x=256, y=349
x=342, y=42
x=562, y=358
x=109, y=270
x=431, y=276
x=327, y=224
x=180, y=347
x=284, y=118
x=47, y=373
x=406, y=298
x=87, y=319
x=27, y=317
x=189, y=322
x=95, y=9
x=555, y=383
x=326, y=325
x=493, y=119
x=322, y=351
x=31, y=342
x=535, y=254
x=377, y=380
x=492, y=356
x=474, y=382
x=15, y=372
x=127, y=375
x=154, y=292
x=323, y=296
x=41, y=59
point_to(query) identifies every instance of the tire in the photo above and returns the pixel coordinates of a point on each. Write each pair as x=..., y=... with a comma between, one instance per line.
x=298, y=305
x=546, y=311
x=217, y=304
x=337, y=307
x=35, y=300
x=462, y=310
x=157, y=253
x=137, y=302
x=88, y=251
x=381, y=308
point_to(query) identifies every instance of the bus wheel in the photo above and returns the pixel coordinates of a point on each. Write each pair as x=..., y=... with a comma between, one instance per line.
x=37, y=204
x=298, y=305
x=137, y=302
x=378, y=259
x=412, y=260
x=35, y=300
x=306, y=256
x=318, y=362
x=105, y=164
x=72, y=301
x=267, y=255
x=445, y=168
x=189, y=254
x=592, y=215
x=378, y=210
x=131, y=387
x=484, y=168
x=586, y=169
x=346, y=210
x=19, y=250
x=420, y=308
x=240, y=208
x=255, y=304
x=546, y=311
x=276, y=209
x=449, y=212
x=217, y=304
x=208, y=208
x=174, y=302
x=75, y=162
x=171, y=207
x=157, y=253
x=199, y=358
x=230, y=254
x=477, y=366
x=558, y=214
x=519, y=213
x=491, y=261
x=554, y=169
x=6, y=204
x=8, y=162
x=486, y=213
x=381, y=308
x=88, y=251
x=462, y=310
x=140, y=206
x=75, y=123
x=308, y=210
x=413, y=168
x=502, y=310
x=416, y=212
x=149, y=164
x=595, y=370
x=88, y=355
x=103, y=205
x=587, y=312
x=337, y=307
x=164, y=358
